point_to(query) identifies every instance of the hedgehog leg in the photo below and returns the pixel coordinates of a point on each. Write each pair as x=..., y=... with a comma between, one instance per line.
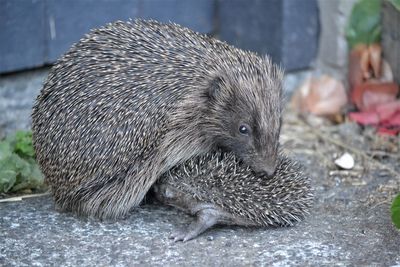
x=206, y=218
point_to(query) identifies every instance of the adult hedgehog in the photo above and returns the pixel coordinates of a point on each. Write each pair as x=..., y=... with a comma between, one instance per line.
x=133, y=99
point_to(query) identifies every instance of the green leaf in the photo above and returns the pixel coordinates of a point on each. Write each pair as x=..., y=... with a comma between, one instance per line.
x=18, y=169
x=23, y=144
x=395, y=3
x=36, y=176
x=7, y=179
x=8, y=173
x=29, y=175
x=23, y=168
x=395, y=209
x=364, y=23
x=5, y=150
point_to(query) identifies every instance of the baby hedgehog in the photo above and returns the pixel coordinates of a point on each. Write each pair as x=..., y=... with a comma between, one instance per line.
x=133, y=99
x=220, y=189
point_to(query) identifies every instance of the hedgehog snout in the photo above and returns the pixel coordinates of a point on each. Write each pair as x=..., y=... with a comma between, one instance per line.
x=264, y=168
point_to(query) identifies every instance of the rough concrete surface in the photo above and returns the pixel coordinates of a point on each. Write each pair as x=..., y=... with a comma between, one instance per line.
x=34, y=234
x=344, y=228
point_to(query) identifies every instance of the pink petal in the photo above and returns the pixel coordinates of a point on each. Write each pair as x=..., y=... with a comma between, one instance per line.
x=387, y=110
x=365, y=118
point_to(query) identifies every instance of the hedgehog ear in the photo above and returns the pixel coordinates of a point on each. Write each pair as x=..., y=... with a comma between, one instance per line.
x=214, y=87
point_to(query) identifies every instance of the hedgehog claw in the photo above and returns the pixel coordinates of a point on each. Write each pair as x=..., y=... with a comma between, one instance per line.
x=205, y=219
x=183, y=236
x=178, y=236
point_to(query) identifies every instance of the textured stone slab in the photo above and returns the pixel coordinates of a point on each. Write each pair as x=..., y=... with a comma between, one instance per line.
x=34, y=234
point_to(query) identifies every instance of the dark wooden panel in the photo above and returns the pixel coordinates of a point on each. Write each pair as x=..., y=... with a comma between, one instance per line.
x=300, y=33
x=69, y=20
x=254, y=25
x=22, y=34
x=37, y=32
x=287, y=30
x=197, y=15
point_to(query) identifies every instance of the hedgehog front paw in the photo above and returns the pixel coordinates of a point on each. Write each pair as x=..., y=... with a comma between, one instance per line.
x=206, y=218
x=183, y=236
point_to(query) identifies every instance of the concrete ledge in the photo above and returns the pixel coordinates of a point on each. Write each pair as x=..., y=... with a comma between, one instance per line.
x=34, y=234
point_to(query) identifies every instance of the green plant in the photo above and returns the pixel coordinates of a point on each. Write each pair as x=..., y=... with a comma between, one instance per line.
x=395, y=209
x=395, y=3
x=364, y=25
x=18, y=169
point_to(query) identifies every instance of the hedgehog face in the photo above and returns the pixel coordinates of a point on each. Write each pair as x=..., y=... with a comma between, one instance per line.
x=248, y=119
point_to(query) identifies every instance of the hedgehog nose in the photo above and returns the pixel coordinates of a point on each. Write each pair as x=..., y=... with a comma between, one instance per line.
x=269, y=169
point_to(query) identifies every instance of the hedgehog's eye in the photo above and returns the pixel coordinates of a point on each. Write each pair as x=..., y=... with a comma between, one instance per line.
x=244, y=129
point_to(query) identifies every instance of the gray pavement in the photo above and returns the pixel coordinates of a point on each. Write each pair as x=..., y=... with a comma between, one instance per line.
x=34, y=234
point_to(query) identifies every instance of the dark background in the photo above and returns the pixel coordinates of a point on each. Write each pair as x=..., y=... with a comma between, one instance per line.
x=34, y=33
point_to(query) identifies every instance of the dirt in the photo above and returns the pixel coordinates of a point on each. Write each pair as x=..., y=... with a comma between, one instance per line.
x=375, y=178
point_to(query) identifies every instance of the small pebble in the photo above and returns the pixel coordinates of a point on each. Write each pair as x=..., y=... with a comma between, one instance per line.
x=346, y=161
